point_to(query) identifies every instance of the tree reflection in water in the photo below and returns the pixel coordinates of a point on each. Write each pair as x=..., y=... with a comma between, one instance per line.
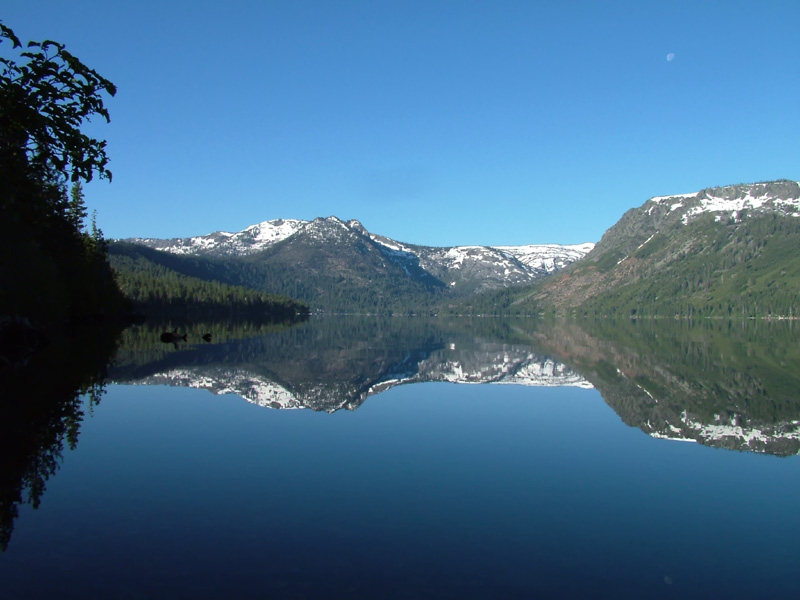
x=41, y=409
x=724, y=384
x=43, y=398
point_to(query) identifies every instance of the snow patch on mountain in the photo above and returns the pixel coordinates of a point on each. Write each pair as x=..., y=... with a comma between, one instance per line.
x=548, y=257
x=731, y=434
x=735, y=205
x=734, y=201
x=252, y=388
x=466, y=268
x=269, y=232
x=258, y=237
x=254, y=238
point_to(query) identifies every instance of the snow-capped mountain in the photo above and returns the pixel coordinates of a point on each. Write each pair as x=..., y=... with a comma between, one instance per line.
x=665, y=215
x=480, y=268
x=732, y=202
x=337, y=265
x=715, y=252
x=250, y=240
x=515, y=263
x=543, y=258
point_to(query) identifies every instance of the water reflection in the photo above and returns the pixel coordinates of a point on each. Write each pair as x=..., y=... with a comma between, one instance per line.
x=41, y=409
x=731, y=385
x=43, y=399
x=716, y=383
x=336, y=363
x=727, y=385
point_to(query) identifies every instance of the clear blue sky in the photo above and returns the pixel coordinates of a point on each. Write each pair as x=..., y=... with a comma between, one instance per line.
x=431, y=122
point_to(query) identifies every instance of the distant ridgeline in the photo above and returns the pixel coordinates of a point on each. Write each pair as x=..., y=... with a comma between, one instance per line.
x=339, y=266
x=727, y=252
x=723, y=252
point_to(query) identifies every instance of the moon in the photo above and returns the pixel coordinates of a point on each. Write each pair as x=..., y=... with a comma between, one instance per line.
x=670, y=57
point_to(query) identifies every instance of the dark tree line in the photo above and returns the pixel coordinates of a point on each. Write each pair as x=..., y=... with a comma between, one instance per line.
x=158, y=290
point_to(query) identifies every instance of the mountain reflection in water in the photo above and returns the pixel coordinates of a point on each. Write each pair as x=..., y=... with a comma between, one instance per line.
x=723, y=384
x=430, y=491
x=330, y=364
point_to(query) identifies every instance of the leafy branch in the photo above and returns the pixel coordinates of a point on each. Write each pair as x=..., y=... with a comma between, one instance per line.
x=43, y=103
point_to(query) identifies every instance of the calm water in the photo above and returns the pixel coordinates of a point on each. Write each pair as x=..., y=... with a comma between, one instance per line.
x=429, y=489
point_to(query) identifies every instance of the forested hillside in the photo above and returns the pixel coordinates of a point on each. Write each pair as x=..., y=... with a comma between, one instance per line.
x=334, y=282
x=156, y=289
x=712, y=269
x=724, y=252
x=339, y=266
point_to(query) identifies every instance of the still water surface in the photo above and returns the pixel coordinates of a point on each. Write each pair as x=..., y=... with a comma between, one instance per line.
x=434, y=489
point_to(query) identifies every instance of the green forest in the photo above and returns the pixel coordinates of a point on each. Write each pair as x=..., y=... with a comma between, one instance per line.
x=729, y=270
x=710, y=268
x=158, y=290
x=362, y=290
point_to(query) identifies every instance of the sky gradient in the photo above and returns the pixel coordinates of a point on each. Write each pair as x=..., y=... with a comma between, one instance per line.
x=433, y=122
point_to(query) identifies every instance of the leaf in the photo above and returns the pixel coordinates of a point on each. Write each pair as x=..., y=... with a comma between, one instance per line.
x=7, y=33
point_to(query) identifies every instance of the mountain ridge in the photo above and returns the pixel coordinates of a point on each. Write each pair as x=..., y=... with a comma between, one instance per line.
x=718, y=252
x=722, y=251
x=339, y=265
x=260, y=236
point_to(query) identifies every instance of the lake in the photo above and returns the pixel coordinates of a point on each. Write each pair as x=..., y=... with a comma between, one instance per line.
x=426, y=458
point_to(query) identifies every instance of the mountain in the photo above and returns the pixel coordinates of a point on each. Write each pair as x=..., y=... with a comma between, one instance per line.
x=337, y=265
x=156, y=289
x=221, y=243
x=722, y=252
x=726, y=251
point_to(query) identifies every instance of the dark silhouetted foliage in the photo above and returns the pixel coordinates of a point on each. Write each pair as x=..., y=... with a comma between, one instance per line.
x=51, y=267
